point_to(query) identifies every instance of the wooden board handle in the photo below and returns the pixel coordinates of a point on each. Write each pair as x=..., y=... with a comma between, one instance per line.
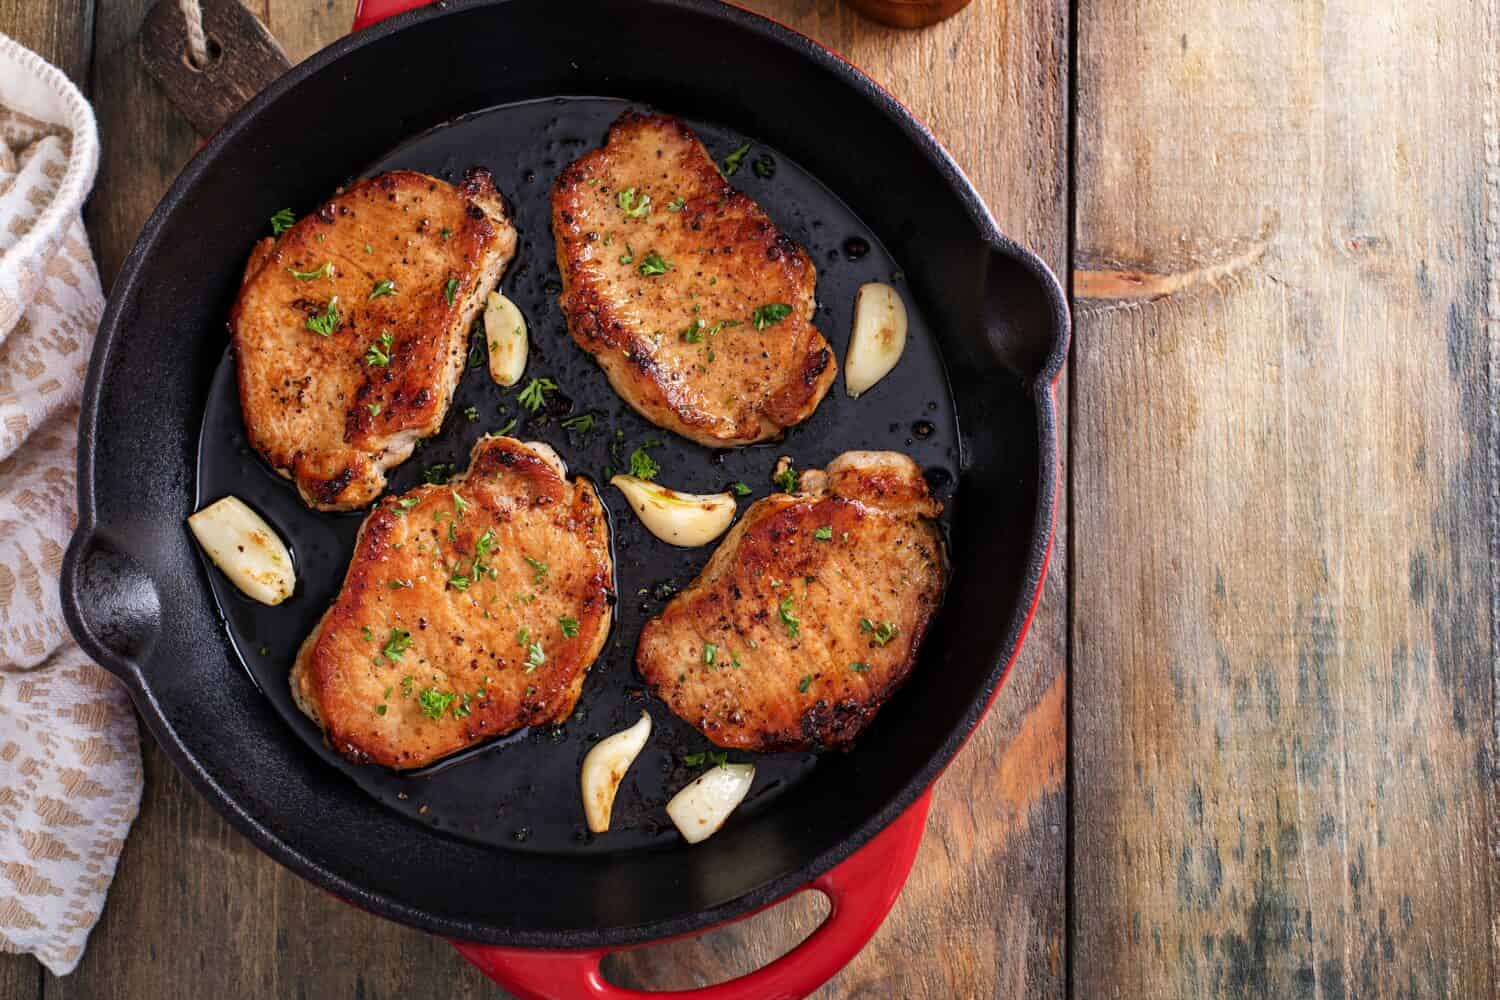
x=243, y=57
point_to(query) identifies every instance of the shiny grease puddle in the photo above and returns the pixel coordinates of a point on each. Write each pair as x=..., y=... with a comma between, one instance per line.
x=521, y=792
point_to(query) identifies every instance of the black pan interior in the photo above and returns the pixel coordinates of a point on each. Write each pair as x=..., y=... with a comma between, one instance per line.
x=138, y=596
x=521, y=792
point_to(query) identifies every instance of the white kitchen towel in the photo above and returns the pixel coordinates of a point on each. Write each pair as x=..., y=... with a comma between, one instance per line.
x=70, y=763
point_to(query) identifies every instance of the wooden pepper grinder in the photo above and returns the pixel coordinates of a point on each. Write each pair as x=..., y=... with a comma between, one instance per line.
x=908, y=13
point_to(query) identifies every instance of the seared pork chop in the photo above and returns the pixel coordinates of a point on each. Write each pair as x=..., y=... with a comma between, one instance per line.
x=469, y=610
x=809, y=614
x=696, y=306
x=351, y=328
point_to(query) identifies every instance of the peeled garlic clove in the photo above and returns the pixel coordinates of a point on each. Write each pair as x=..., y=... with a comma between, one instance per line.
x=246, y=548
x=878, y=339
x=683, y=519
x=703, y=806
x=505, y=329
x=604, y=768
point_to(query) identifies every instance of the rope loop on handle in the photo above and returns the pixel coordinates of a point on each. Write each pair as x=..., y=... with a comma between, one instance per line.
x=197, y=40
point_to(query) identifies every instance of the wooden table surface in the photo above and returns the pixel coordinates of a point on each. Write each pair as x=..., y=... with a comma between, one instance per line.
x=1251, y=747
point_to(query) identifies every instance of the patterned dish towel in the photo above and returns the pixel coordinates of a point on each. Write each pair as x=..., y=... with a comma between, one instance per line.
x=70, y=763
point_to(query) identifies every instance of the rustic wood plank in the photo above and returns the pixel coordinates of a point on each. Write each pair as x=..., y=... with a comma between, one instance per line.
x=20, y=977
x=1284, y=456
x=983, y=913
x=61, y=31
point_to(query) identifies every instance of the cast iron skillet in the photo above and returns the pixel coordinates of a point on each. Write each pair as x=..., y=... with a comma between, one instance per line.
x=439, y=88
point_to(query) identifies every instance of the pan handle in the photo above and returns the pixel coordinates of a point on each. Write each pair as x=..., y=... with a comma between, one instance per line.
x=860, y=891
x=370, y=12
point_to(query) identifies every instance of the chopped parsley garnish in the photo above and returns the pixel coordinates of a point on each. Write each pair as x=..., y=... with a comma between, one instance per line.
x=369, y=249
x=642, y=465
x=859, y=668
x=457, y=579
x=324, y=323
x=628, y=257
x=770, y=314
x=654, y=264
x=716, y=757
x=582, y=423
x=398, y=584
x=460, y=505
x=791, y=621
x=804, y=683
x=445, y=232
x=462, y=710
x=385, y=286
x=379, y=353
x=569, y=626
x=450, y=289
x=406, y=687
x=710, y=653
x=365, y=631
x=764, y=166
x=323, y=272
x=882, y=633
x=374, y=409
x=380, y=709
x=787, y=479
x=396, y=645
x=534, y=656
x=634, y=207
x=534, y=396
x=434, y=702
x=483, y=545
x=282, y=221
x=733, y=160
x=538, y=568
x=694, y=333
x=438, y=473
x=400, y=507
x=471, y=413
x=824, y=533
x=523, y=636
x=740, y=489
x=675, y=205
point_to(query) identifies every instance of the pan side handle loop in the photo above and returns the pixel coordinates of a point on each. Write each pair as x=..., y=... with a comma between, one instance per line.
x=860, y=891
x=1026, y=315
x=111, y=604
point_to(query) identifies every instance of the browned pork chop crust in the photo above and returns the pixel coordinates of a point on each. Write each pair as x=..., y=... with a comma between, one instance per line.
x=469, y=611
x=810, y=613
x=346, y=363
x=682, y=347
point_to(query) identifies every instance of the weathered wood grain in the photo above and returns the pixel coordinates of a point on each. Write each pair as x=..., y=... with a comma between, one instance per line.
x=21, y=977
x=60, y=31
x=1284, y=652
x=243, y=58
x=983, y=913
